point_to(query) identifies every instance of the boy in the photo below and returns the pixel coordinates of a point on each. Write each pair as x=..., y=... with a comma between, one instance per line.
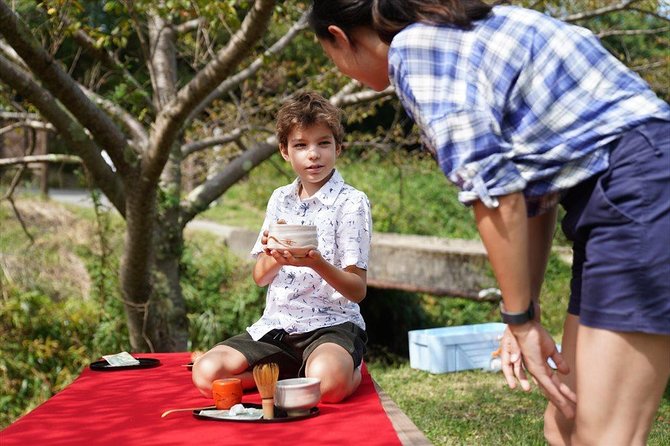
x=312, y=324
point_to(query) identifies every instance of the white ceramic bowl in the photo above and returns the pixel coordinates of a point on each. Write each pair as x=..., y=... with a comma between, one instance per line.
x=297, y=239
x=297, y=395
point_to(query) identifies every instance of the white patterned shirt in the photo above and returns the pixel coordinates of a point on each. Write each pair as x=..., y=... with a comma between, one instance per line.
x=520, y=102
x=298, y=299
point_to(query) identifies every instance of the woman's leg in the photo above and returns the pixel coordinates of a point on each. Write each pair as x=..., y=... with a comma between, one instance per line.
x=620, y=379
x=557, y=428
x=335, y=367
x=220, y=362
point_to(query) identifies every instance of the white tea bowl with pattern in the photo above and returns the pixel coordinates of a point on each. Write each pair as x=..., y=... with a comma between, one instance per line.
x=297, y=239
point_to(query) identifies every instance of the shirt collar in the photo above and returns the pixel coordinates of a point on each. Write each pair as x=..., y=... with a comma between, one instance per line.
x=326, y=195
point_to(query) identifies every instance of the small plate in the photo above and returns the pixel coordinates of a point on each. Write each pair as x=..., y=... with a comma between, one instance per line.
x=280, y=415
x=145, y=363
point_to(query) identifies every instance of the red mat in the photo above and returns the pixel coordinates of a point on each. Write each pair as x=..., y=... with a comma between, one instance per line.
x=124, y=408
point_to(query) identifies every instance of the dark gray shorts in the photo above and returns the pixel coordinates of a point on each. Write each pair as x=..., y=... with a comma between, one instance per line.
x=290, y=351
x=619, y=223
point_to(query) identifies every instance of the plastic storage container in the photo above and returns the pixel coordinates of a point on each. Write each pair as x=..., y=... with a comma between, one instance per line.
x=452, y=349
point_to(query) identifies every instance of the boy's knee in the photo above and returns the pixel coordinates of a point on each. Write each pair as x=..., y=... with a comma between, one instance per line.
x=204, y=372
x=336, y=383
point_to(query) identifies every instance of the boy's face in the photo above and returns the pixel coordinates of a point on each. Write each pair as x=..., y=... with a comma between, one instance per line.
x=312, y=152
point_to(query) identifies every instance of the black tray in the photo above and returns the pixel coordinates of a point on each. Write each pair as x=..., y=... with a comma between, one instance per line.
x=280, y=415
x=145, y=363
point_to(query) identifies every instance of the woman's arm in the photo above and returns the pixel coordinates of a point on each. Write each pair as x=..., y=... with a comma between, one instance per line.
x=541, y=229
x=541, y=233
x=506, y=233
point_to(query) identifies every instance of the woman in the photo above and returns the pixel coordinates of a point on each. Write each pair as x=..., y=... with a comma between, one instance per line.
x=524, y=112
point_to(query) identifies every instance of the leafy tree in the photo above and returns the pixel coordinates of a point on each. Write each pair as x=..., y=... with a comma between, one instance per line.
x=137, y=80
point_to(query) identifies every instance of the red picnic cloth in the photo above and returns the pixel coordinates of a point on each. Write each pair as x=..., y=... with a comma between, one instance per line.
x=124, y=407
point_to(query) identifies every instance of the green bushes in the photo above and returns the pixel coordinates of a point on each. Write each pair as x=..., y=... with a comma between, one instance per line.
x=221, y=296
x=45, y=345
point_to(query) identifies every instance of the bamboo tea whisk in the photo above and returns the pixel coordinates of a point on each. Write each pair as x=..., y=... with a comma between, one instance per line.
x=266, y=376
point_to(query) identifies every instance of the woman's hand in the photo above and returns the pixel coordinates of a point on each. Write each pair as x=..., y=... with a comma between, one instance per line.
x=536, y=347
x=512, y=365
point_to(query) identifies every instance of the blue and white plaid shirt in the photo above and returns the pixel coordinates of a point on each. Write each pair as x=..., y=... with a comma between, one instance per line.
x=521, y=102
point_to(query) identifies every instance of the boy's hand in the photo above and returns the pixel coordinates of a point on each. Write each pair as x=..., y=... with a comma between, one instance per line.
x=266, y=233
x=283, y=257
x=264, y=242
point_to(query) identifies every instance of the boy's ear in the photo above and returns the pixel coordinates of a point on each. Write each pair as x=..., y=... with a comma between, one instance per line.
x=284, y=151
x=341, y=38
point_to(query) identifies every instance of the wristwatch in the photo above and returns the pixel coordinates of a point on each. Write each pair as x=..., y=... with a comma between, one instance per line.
x=517, y=318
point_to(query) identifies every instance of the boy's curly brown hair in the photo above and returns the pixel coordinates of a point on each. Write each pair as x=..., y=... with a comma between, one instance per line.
x=305, y=109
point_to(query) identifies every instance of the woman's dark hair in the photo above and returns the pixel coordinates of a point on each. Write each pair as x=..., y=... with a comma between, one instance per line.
x=345, y=14
x=392, y=16
x=389, y=17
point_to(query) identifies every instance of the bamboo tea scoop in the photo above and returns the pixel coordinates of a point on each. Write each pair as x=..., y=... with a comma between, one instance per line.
x=187, y=409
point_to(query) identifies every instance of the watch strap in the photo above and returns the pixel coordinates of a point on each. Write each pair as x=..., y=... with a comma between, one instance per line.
x=517, y=318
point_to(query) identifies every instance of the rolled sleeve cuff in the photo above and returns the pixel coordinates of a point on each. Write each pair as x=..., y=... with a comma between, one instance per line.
x=474, y=156
x=486, y=180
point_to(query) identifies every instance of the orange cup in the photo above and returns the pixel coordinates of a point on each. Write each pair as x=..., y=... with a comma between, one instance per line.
x=227, y=392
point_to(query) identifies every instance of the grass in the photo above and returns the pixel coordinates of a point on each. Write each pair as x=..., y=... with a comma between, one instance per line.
x=477, y=408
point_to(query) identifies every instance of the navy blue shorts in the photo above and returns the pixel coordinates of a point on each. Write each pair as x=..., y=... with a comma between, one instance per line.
x=619, y=223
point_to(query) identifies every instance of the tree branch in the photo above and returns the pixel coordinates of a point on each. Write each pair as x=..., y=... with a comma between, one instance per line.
x=49, y=158
x=650, y=66
x=33, y=124
x=652, y=14
x=599, y=11
x=103, y=129
x=361, y=97
x=171, y=119
x=200, y=197
x=132, y=125
x=19, y=116
x=631, y=32
x=189, y=26
x=107, y=57
x=69, y=129
x=202, y=144
x=252, y=69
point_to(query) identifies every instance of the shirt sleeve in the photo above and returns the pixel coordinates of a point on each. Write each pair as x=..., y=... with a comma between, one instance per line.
x=457, y=122
x=270, y=217
x=354, y=232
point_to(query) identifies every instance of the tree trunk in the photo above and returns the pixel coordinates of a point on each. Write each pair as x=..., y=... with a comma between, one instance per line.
x=169, y=247
x=136, y=283
x=154, y=302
